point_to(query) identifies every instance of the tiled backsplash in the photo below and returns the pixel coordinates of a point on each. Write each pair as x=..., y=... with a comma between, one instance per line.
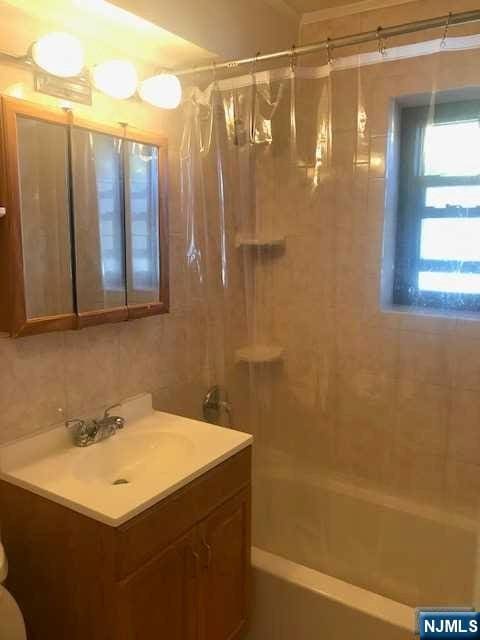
x=48, y=378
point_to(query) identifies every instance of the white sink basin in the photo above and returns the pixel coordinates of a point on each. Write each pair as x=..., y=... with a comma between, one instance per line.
x=112, y=481
x=133, y=457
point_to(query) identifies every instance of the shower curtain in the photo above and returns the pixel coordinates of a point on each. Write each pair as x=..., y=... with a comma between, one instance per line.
x=289, y=190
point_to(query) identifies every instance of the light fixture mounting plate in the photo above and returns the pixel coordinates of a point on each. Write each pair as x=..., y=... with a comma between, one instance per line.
x=73, y=89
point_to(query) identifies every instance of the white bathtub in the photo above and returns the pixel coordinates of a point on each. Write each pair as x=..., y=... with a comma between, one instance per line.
x=293, y=602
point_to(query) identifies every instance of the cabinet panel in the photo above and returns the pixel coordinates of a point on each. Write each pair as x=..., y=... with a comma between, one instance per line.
x=160, y=600
x=142, y=223
x=37, y=289
x=97, y=183
x=45, y=217
x=225, y=543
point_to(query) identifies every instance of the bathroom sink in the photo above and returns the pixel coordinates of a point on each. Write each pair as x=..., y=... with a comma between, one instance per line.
x=113, y=480
x=133, y=457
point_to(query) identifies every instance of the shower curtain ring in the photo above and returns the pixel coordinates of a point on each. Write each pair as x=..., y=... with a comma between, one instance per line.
x=254, y=64
x=382, y=47
x=443, y=43
x=330, y=58
x=293, y=58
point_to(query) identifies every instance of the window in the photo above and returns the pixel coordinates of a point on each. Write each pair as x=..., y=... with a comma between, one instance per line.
x=438, y=230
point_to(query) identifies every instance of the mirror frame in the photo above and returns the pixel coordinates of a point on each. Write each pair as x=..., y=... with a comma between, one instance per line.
x=13, y=316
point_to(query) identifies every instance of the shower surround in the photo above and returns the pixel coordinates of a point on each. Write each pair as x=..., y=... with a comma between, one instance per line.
x=367, y=446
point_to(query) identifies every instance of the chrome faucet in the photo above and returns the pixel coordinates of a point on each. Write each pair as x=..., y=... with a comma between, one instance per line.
x=93, y=430
x=214, y=402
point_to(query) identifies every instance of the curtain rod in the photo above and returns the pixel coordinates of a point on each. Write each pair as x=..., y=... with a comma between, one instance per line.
x=379, y=35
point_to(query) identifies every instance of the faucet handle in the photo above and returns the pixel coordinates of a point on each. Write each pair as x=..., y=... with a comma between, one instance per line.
x=108, y=409
x=75, y=422
x=119, y=422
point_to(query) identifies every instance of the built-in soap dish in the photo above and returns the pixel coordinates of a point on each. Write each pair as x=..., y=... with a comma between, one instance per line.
x=259, y=354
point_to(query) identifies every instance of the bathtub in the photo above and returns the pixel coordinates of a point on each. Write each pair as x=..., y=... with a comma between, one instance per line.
x=293, y=602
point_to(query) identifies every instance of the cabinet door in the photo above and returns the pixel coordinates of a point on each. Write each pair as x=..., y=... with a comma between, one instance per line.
x=225, y=555
x=159, y=602
x=97, y=188
x=37, y=289
x=146, y=228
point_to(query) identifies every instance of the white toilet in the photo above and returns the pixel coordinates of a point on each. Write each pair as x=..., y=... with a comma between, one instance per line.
x=11, y=620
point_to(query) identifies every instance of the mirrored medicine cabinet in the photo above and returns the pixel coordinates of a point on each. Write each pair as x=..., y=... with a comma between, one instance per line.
x=83, y=230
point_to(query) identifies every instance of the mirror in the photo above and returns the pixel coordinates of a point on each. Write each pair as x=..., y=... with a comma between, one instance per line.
x=142, y=223
x=45, y=217
x=86, y=237
x=97, y=185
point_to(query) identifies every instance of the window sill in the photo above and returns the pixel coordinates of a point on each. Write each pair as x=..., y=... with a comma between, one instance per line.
x=430, y=312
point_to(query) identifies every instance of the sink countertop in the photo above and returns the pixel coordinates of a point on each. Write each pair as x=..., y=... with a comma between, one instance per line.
x=152, y=457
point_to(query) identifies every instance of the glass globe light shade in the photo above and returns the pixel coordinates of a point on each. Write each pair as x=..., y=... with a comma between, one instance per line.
x=163, y=90
x=60, y=54
x=116, y=78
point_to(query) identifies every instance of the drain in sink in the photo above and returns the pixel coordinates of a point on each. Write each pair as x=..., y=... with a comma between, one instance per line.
x=121, y=481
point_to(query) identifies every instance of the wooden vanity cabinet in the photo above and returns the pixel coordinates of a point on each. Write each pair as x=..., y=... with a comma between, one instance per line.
x=224, y=572
x=178, y=571
x=162, y=595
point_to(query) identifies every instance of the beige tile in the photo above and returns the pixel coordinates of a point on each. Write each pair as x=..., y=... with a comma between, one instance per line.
x=343, y=153
x=370, y=241
x=364, y=415
x=183, y=399
x=421, y=416
x=464, y=433
x=345, y=96
x=178, y=273
x=427, y=323
x=376, y=205
x=467, y=363
x=152, y=354
x=32, y=384
x=351, y=202
x=349, y=284
x=426, y=357
x=378, y=154
x=468, y=327
x=92, y=368
x=416, y=474
x=463, y=489
x=177, y=213
x=330, y=28
x=383, y=90
x=369, y=349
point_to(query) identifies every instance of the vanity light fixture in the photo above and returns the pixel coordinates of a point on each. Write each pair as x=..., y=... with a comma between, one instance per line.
x=58, y=62
x=163, y=90
x=59, y=54
x=116, y=78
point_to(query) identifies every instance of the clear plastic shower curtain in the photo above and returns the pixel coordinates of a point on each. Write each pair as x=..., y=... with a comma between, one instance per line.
x=289, y=188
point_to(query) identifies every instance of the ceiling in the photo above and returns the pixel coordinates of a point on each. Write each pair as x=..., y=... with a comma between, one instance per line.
x=231, y=28
x=105, y=30
x=305, y=6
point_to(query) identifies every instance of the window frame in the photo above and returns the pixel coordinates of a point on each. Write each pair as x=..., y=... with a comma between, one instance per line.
x=412, y=209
